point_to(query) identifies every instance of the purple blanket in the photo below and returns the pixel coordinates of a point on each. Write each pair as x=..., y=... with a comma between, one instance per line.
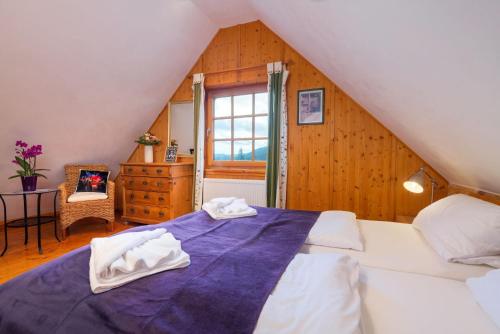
x=235, y=264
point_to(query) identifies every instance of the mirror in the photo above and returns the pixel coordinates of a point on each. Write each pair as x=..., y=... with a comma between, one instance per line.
x=181, y=120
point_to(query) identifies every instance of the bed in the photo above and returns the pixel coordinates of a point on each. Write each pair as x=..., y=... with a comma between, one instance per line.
x=406, y=287
x=403, y=287
x=400, y=247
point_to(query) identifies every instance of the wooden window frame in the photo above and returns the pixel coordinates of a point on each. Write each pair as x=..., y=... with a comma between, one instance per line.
x=210, y=163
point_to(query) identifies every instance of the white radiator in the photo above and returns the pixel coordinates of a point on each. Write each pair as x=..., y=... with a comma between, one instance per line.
x=253, y=191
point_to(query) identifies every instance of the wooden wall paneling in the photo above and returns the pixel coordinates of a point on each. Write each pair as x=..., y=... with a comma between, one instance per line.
x=185, y=91
x=250, y=46
x=309, y=158
x=484, y=195
x=272, y=47
x=351, y=162
x=407, y=163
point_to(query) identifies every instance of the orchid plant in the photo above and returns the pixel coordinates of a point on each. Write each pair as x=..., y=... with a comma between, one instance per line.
x=148, y=139
x=25, y=158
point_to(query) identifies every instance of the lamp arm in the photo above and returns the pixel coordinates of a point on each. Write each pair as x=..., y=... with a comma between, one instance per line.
x=433, y=180
x=433, y=183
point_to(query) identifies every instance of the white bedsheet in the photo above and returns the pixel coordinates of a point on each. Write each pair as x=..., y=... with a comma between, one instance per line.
x=400, y=247
x=403, y=303
x=317, y=294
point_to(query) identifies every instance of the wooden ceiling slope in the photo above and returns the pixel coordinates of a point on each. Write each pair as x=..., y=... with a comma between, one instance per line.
x=352, y=162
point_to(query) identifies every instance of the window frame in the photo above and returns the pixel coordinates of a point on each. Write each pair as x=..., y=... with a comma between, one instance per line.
x=209, y=143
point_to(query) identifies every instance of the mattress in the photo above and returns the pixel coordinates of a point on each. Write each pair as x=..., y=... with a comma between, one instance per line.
x=400, y=247
x=312, y=297
x=405, y=303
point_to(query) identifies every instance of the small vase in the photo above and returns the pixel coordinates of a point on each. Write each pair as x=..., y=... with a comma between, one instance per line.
x=148, y=153
x=29, y=183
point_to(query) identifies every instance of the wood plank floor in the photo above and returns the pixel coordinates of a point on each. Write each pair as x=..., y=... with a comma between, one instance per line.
x=20, y=258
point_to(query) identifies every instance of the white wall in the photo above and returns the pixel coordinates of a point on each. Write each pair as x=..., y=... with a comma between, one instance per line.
x=85, y=78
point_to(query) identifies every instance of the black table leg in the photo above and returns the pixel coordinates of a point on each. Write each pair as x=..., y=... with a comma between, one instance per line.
x=4, y=225
x=25, y=220
x=55, y=217
x=38, y=223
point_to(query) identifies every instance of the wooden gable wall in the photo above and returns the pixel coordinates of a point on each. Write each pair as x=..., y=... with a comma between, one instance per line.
x=351, y=162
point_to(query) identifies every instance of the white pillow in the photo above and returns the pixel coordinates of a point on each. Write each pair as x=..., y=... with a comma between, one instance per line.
x=86, y=196
x=486, y=292
x=463, y=229
x=336, y=229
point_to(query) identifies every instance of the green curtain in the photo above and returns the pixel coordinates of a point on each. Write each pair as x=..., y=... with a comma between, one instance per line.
x=275, y=82
x=196, y=101
x=199, y=139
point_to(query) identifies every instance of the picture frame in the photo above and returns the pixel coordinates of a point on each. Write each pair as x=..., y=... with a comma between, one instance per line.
x=171, y=154
x=311, y=106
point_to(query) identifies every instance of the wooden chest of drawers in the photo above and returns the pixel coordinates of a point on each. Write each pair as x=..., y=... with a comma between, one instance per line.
x=154, y=193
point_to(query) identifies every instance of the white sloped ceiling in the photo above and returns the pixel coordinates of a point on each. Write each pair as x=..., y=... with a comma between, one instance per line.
x=429, y=70
x=85, y=78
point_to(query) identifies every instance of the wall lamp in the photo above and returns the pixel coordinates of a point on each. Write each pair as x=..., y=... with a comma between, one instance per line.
x=415, y=183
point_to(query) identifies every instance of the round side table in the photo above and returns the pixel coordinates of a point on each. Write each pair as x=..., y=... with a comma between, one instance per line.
x=29, y=221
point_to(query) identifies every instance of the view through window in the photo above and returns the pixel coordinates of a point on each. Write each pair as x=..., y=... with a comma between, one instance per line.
x=240, y=124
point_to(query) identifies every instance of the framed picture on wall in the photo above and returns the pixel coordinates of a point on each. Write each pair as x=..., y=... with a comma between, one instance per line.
x=311, y=106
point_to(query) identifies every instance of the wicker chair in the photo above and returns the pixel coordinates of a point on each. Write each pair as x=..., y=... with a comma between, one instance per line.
x=71, y=212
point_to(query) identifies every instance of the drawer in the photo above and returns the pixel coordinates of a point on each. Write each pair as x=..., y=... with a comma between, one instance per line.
x=147, y=212
x=146, y=197
x=147, y=183
x=145, y=170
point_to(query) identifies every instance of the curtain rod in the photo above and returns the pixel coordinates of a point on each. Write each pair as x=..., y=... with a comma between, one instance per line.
x=238, y=69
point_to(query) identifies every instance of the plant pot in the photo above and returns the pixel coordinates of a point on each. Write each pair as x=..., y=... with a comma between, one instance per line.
x=148, y=153
x=29, y=183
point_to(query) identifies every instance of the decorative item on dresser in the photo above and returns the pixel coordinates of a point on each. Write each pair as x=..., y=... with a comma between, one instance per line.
x=148, y=140
x=157, y=192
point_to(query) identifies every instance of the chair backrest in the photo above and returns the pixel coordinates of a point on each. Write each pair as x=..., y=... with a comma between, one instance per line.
x=73, y=173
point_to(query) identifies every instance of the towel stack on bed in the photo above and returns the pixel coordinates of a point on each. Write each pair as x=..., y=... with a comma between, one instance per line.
x=123, y=258
x=228, y=207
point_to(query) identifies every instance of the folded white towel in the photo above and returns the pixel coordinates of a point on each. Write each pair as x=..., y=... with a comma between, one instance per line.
x=123, y=258
x=236, y=206
x=222, y=202
x=228, y=207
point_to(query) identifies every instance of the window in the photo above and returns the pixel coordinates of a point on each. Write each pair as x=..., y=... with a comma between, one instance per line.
x=237, y=123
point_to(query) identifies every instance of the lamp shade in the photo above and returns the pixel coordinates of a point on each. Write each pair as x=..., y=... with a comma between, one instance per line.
x=415, y=183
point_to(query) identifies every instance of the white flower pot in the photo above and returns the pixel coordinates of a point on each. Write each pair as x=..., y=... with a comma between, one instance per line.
x=148, y=153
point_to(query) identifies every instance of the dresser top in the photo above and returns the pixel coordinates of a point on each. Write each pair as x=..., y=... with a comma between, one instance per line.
x=158, y=164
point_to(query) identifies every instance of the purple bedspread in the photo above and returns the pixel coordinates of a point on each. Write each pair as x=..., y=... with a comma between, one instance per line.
x=235, y=264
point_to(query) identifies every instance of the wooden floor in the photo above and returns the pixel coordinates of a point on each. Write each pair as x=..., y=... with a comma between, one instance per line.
x=20, y=258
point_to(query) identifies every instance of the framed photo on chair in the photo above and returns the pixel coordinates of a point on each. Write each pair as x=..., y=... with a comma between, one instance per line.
x=311, y=106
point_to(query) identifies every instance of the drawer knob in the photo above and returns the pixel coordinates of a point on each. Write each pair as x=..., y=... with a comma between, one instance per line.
x=161, y=199
x=132, y=210
x=159, y=171
x=161, y=214
x=130, y=182
x=132, y=196
x=146, y=196
x=144, y=170
x=145, y=183
x=159, y=184
x=146, y=211
x=129, y=170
